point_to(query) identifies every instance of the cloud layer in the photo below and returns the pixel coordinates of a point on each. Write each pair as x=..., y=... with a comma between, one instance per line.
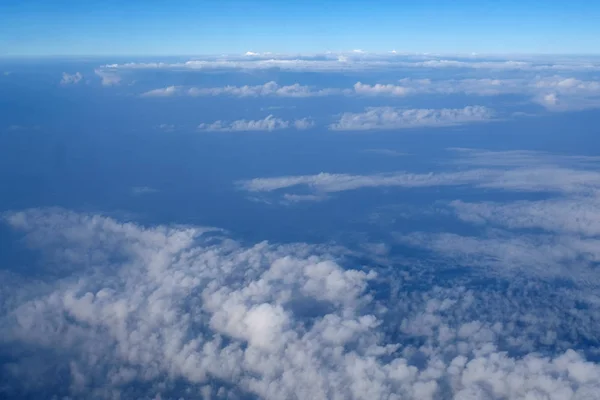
x=184, y=311
x=269, y=124
x=394, y=118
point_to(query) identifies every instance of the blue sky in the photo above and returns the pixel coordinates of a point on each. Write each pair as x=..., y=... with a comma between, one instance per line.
x=33, y=28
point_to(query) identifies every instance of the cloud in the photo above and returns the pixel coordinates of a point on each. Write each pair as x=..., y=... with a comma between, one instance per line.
x=304, y=123
x=268, y=89
x=167, y=127
x=375, y=118
x=270, y=123
x=331, y=183
x=577, y=215
x=378, y=89
x=510, y=171
x=387, y=152
x=71, y=79
x=302, y=198
x=109, y=77
x=166, y=312
x=363, y=61
x=165, y=92
x=556, y=93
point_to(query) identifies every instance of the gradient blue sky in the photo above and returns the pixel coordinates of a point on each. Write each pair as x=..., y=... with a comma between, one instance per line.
x=152, y=27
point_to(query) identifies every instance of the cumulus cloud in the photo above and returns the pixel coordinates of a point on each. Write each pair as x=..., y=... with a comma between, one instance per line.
x=166, y=312
x=109, y=77
x=395, y=118
x=71, y=79
x=270, y=123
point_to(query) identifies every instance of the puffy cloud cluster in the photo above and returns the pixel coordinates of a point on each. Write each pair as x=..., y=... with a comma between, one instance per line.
x=270, y=123
x=184, y=312
x=268, y=89
x=395, y=118
x=71, y=79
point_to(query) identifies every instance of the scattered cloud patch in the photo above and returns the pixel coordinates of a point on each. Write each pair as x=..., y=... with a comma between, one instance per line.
x=378, y=118
x=108, y=77
x=378, y=89
x=167, y=127
x=159, y=312
x=71, y=79
x=269, y=124
x=166, y=92
x=268, y=89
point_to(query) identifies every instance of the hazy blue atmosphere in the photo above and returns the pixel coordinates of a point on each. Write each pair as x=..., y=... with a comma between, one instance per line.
x=286, y=220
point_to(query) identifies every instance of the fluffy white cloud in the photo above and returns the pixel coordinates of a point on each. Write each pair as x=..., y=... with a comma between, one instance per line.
x=395, y=118
x=109, y=77
x=177, y=311
x=71, y=79
x=270, y=123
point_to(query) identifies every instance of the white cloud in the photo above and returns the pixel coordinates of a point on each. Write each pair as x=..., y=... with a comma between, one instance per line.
x=395, y=118
x=511, y=171
x=71, y=79
x=270, y=123
x=301, y=198
x=377, y=89
x=360, y=61
x=268, y=89
x=579, y=215
x=165, y=92
x=109, y=77
x=304, y=123
x=167, y=127
x=157, y=312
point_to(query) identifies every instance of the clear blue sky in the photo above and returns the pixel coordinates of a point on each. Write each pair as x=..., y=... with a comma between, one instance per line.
x=149, y=27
